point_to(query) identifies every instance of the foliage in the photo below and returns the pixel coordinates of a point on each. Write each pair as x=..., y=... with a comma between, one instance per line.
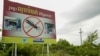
x=61, y=48
x=91, y=38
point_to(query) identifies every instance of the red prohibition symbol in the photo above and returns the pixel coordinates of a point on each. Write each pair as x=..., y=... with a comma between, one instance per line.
x=32, y=26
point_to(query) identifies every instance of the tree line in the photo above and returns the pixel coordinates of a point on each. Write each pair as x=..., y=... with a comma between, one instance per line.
x=61, y=48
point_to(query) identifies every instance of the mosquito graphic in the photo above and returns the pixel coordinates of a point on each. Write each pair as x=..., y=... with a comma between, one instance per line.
x=32, y=24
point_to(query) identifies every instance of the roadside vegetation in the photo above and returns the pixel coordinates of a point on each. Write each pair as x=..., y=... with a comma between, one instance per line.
x=61, y=48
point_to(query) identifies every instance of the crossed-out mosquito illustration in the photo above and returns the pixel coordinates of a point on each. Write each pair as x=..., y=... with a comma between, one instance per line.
x=32, y=24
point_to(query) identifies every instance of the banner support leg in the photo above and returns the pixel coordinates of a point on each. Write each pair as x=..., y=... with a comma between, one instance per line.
x=47, y=49
x=15, y=49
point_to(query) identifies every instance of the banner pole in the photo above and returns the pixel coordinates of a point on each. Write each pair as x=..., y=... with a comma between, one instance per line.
x=47, y=49
x=15, y=49
x=43, y=50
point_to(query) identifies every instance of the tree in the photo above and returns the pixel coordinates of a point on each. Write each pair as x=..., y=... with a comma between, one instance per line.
x=91, y=38
x=89, y=48
x=62, y=43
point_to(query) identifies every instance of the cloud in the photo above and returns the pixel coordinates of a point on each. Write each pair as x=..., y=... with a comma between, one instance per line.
x=71, y=31
x=88, y=26
x=87, y=10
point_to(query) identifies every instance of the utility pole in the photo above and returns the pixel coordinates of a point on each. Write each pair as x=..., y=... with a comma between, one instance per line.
x=81, y=35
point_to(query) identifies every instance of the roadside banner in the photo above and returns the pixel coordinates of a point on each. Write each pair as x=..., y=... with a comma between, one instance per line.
x=22, y=23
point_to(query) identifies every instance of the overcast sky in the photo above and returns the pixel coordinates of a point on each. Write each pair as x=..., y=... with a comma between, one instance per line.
x=71, y=15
